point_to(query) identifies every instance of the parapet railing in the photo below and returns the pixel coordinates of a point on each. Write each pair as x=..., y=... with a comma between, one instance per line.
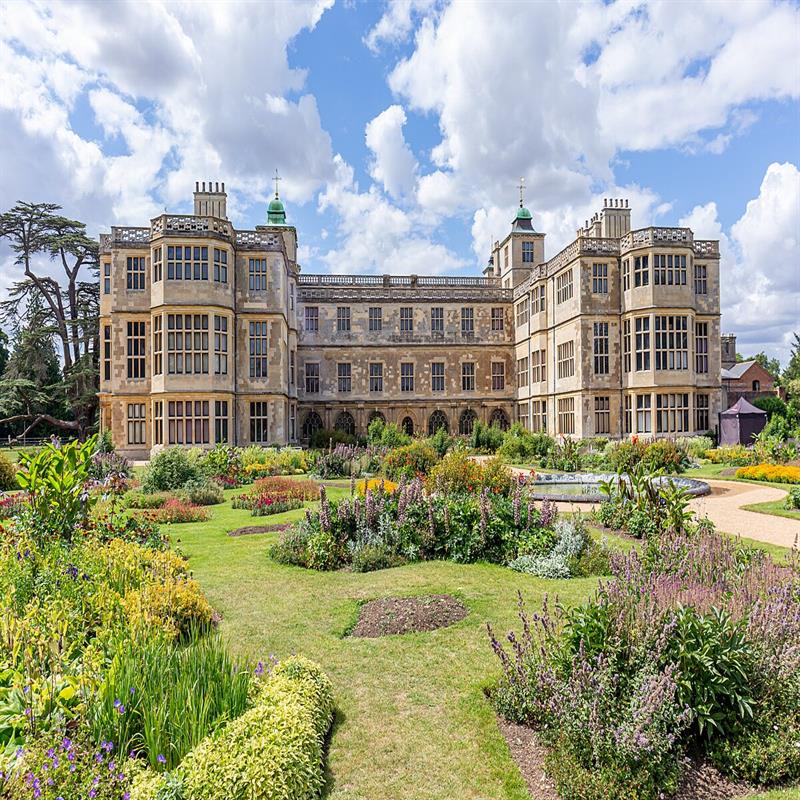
x=189, y=223
x=454, y=281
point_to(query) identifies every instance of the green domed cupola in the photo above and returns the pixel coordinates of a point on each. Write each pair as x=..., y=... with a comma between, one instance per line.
x=523, y=213
x=276, y=213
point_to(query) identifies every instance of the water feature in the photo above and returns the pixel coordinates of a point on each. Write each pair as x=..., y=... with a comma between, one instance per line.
x=584, y=487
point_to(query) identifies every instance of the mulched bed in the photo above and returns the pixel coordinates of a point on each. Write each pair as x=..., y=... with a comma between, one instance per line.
x=700, y=781
x=249, y=529
x=391, y=615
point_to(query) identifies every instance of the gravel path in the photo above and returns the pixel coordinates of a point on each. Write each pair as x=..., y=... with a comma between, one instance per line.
x=724, y=508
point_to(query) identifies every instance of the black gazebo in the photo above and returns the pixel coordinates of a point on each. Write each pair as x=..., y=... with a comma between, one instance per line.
x=741, y=422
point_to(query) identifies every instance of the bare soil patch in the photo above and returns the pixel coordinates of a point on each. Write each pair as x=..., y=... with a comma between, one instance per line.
x=701, y=781
x=250, y=529
x=392, y=615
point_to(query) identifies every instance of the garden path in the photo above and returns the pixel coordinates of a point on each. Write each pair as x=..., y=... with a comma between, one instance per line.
x=724, y=508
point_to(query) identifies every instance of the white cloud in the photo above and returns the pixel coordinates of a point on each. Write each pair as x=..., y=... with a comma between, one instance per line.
x=393, y=164
x=759, y=262
x=396, y=23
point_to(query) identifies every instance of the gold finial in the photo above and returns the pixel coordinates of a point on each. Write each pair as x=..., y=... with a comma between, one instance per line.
x=521, y=188
x=276, y=179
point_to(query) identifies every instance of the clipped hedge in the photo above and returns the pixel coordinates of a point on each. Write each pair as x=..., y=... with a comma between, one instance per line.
x=274, y=751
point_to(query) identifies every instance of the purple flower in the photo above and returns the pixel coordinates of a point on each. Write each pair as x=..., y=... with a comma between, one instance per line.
x=160, y=758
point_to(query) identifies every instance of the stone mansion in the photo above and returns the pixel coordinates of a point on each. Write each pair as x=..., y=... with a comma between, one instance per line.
x=212, y=334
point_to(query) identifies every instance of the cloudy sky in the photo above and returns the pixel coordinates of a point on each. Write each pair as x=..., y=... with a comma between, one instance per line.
x=401, y=129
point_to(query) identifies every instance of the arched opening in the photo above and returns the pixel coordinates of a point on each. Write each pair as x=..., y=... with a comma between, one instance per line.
x=311, y=424
x=438, y=420
x=408, y=426
x=376, y=415
x=756, y=386
x=345, y=423
x=499, y=418
x=466, y=422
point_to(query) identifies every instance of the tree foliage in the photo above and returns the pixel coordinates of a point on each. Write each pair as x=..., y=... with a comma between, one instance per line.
x=792, y=371
x=55, y=307
x=771, y=365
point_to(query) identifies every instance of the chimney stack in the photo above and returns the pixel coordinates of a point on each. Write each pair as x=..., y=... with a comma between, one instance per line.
x=211, y=202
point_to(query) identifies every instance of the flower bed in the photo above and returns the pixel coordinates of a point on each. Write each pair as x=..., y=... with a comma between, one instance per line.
x=774, y=473
x=174, y=510
x=276, y=495
x=692, y=648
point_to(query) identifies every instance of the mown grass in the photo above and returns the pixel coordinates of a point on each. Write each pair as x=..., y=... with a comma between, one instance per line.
x=413, y=721
x=776, y=508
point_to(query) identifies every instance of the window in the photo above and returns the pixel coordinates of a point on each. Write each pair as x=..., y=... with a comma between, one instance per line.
x=312, y=319
x=291, y=298
x=701, y=347
x=672, y=342
x=220, y=266
x=158, y=422
x=505, y=257
x=527, y=252
x=641, y=271
x=626, y=275
x=672, y=413
x=437, y=420
x=136, y=350
x=601, y=348
x=136, y=424
x=312, y=378
x=259, y=422
x=642, y=344
x=466, y=422
x=344, y=379
x=257, y=273
x=536, y=366
x=376, y=377
x=522, y=313
x=522, y=414
x=543, y=361
x=467, y=321
x=107, y=352
x=406, y=377
x=344, y=422
x=220, y=421
x=599, y=278
x=292, y=361
x=468, y=376
x=626, y=345
x=628, y=415
x=566, y=359
x=311, y=424
x=158, y=344
x=437, y=320
x=375, y=318
x=343, y=319
x=188, y=421
x=498, y=376
x=437, y=376
x=292, y=422
x=187, y=344
x=566, y=415
x=522, y=372
x=158, y=265
x=700, y=279
x=498, y=319
x=107, y=278
x=669, y=270
x=701, y=413
x=187, y=263
x=259, y=349
x=220, y=345
x=539, y=415
x=538, y=302
x=643, y=419
x=406, y=319
x=135, y=273
x=563, y=287
x=602, y=415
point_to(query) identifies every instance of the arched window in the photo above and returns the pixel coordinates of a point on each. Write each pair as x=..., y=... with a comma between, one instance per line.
x=345, y=423
x=466, y=422
x=311, y=424
x=499, y=418
x=408, y=426
x=437, y=420
x=376, y=415
x=756, y=386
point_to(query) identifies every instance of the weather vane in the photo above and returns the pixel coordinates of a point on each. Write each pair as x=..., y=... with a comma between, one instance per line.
x=276, y=179
x=521, y=188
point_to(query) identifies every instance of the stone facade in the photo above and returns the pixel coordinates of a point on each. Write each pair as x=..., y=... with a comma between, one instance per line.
x=211, y=334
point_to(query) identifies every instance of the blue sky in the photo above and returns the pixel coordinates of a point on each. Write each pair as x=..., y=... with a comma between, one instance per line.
x=401, y=129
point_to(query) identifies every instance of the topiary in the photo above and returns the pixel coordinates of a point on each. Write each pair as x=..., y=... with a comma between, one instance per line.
x=169, y=469
x=8, y=474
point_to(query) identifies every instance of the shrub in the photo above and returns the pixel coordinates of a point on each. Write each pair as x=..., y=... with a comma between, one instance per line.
x=107, y=464
x=486, y=438
x=565, y=455
x=572, y=540
x=410, y=460
x=223, y=461
x=177, y=511
x=169, y=469
x=177, y=606
x=138, y=499
x=772, y=404
x=277, y=495
x=664, y=455
x=695, y=446
x=770, y=472
x=344, y=461
x=456, y=472
x=382, y=434
x=626, y=455
x=323, y=439
x=151, y=672
x=8, y=474
x=771, y=449
x=735, y=454
x=135, y=528
x=793, y=498
x=203, y=492
x=288, y=461
x=779, y=428
x=441, y=441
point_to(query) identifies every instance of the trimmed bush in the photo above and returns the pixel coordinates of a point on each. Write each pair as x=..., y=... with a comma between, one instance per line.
x=410, y=460
x=520, y=445
x=169, y=469
x=203, y=492
x=8, y=474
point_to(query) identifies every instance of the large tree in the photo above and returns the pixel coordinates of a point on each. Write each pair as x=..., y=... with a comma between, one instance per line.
x=66, y=309
x=792, y=371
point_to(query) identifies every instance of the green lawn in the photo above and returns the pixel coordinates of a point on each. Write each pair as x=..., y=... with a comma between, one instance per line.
x=412, y=721
x=776, y=508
